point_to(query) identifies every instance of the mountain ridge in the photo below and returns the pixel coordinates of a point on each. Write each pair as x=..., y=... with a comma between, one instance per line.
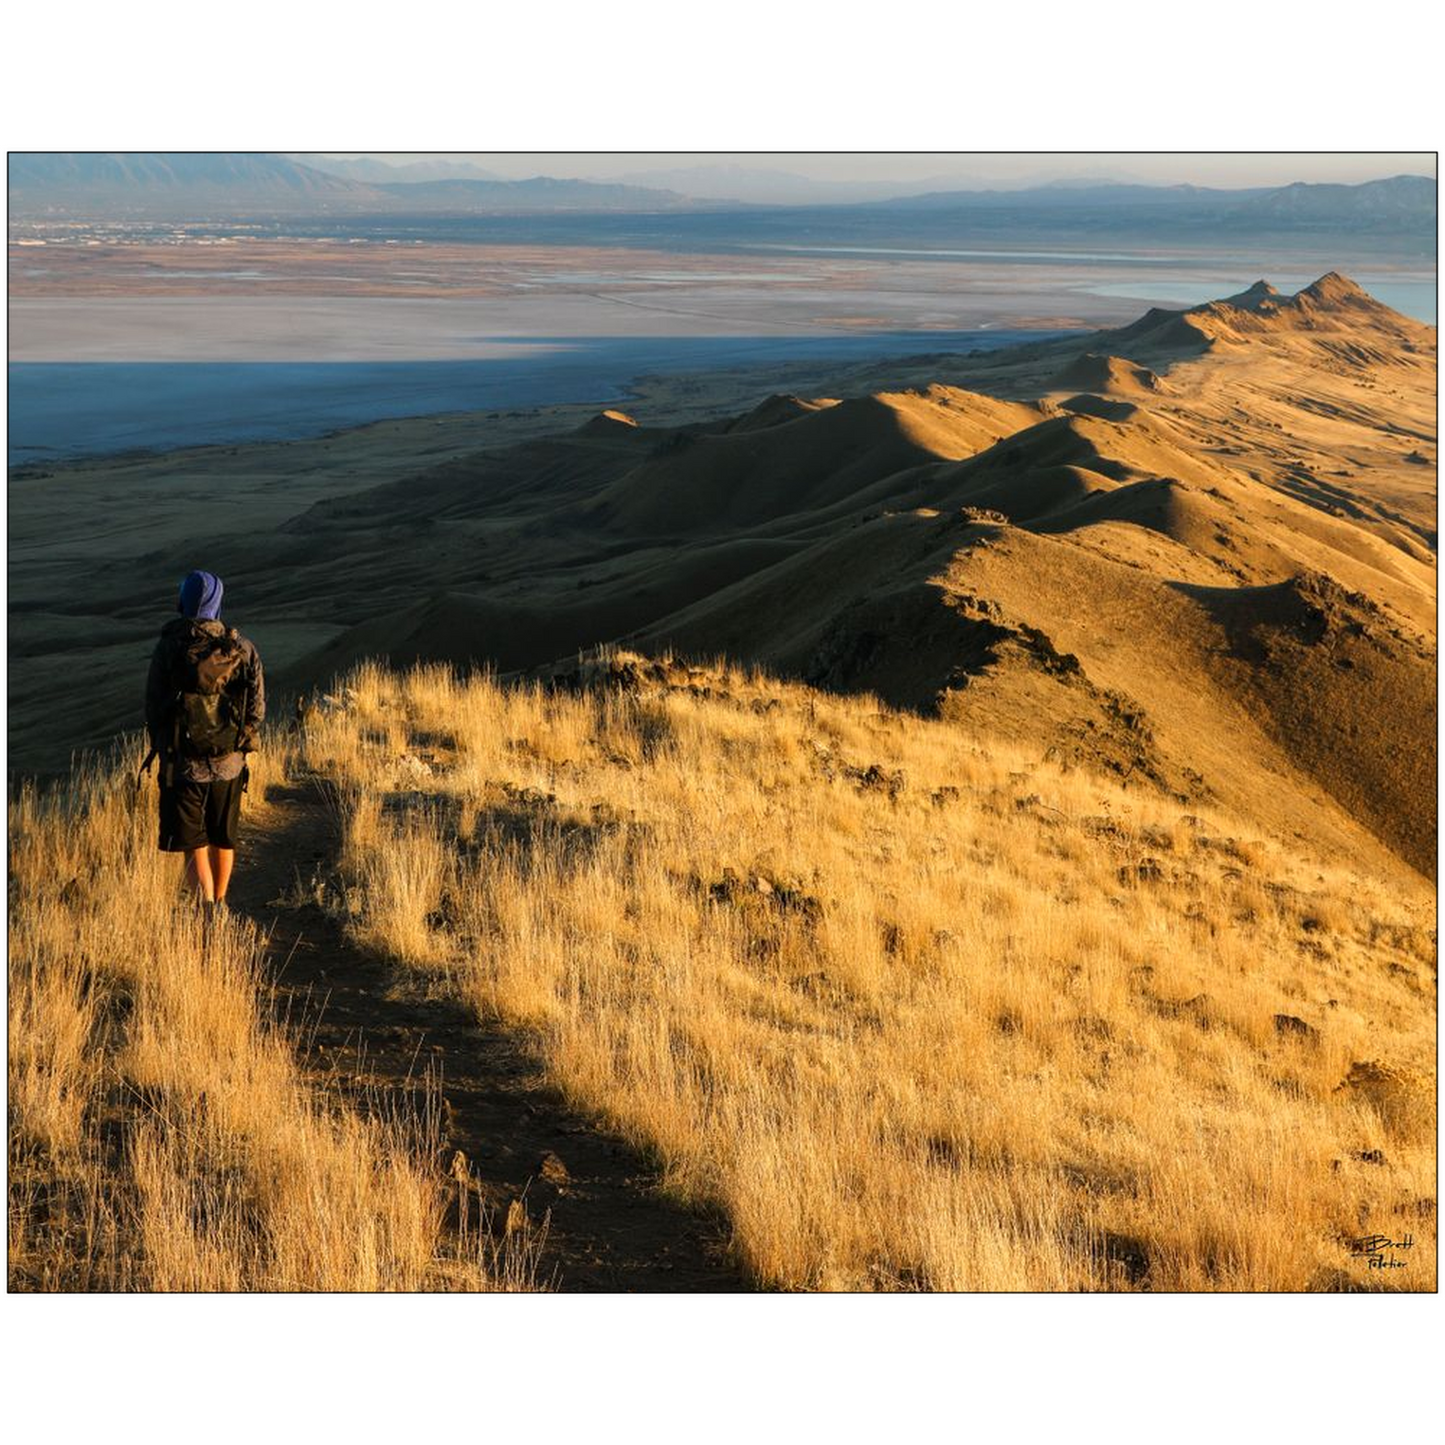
x=900, y=541
x=165, y=181
x=137, y=183
x=1196, y=552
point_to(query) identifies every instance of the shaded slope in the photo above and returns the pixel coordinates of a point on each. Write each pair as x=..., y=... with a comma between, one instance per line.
x=1088, y=575
x=1096, y=661
x=983, y=540
x=1350, y=697
x=711, y=484
x=516, y=628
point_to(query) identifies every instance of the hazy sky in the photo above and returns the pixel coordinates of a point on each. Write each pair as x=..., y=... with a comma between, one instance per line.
x=984, y=169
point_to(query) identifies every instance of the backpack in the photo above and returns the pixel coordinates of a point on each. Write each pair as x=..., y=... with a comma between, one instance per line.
x=209, y=670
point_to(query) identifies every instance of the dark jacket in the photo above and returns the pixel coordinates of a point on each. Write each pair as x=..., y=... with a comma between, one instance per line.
x=163, y=684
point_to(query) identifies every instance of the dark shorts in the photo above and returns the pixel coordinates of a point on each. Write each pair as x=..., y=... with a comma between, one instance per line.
x=200, y=815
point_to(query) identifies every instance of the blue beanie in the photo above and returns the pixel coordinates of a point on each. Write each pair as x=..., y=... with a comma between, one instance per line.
x=201, y=596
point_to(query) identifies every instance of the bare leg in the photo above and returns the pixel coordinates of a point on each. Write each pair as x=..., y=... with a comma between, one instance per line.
x=221, y=860
x=198, y=873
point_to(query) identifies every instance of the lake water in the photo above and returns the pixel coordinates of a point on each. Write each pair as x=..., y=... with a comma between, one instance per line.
x=64, y=410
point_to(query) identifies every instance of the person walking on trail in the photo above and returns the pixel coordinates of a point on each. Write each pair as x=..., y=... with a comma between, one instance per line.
x=205, y=701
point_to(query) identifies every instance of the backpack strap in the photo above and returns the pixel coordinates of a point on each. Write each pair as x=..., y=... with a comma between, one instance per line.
x=245, y=737
x=168, y=770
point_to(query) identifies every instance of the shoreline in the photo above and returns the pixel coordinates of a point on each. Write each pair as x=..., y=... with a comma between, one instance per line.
x=662, y=379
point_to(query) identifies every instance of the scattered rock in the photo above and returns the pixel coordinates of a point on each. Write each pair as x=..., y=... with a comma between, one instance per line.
x=1400, y=1099
x=1289, y=1024
x=1091, y=1026
x=1126, y=1253
x=1199, y=1009
x=1367, y=1074
x=794, y=900
x=760, y=890
x=532, y=800
x=633, y=673
x=879, y=779
x=1148, y=870
x=553, y=1170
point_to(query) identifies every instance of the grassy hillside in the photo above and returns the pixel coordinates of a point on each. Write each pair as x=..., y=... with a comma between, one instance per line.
x=1040, y=895
x=910, y=1007
x=160, y=1134
x=916, y=1010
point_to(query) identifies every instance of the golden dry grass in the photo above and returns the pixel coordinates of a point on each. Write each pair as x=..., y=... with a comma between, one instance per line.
x=915, y=1010
x=161, y=1136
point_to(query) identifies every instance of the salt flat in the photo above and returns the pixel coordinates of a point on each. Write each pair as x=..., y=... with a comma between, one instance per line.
x=325, y=301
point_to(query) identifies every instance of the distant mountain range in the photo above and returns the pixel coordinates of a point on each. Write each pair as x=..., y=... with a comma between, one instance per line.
x=226, y=185
x=724, y=182
x=365, y=169
x=727, y=181
x=1078, y=196
x=460, y=186
x=1405, y=199
x=539, y=193
x=205, y=185
x=1399, y=202
x=157, y=180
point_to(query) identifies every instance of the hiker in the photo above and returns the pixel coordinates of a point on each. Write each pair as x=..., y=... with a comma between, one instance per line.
x=205, y=699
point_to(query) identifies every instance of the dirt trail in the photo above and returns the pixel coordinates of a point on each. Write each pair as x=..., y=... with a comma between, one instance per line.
x=366, y=1026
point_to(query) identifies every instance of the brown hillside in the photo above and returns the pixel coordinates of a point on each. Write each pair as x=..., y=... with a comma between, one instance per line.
x=1087, y=404
x=774, y=411
x=1109, y=375
x=1068, y=542
x=754, y=477
x=972, y=828
x=606, y=424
